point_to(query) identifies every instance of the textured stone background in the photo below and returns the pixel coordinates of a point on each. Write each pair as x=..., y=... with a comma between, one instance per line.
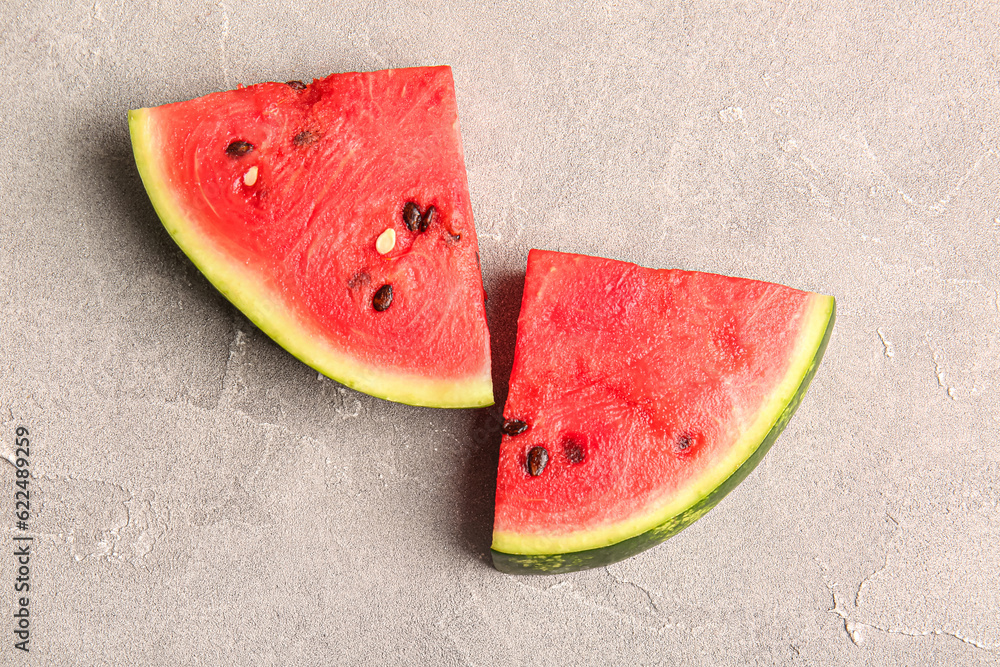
x=203, y=498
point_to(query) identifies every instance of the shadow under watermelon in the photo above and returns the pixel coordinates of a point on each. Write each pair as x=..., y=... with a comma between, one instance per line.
x=135, y=241
x=478, y=486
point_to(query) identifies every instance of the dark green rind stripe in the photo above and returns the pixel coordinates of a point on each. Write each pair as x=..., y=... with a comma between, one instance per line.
x=582, y=560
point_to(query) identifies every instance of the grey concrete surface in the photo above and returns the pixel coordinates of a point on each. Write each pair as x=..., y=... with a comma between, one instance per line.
x=200, y=497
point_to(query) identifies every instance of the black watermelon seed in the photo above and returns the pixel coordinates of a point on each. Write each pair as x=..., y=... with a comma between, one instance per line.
x=239, y=148
x=411, y=216
x=427, y=218
x=514, y=427
x=305, y=138
x=538, y=457
x=684, y=443
x=297, y=85
x=382, y=298
x=574, y=451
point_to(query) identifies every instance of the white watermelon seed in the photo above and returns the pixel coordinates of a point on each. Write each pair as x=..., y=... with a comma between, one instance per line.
x=386, y=241
x=250, y=177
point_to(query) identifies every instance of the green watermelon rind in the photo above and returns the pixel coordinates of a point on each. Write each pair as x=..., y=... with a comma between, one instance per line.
x=274, y=317
x=572, y=561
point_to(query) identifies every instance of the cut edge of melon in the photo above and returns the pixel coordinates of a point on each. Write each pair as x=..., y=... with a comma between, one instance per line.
x=275, y=318
x=526, y=553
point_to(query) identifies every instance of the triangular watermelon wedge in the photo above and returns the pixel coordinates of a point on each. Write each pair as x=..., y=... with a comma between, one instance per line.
x=336, y=216
x=638, y=399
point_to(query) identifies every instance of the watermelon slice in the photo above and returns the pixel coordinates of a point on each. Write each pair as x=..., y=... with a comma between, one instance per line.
x=336, y=216
x=638, y=399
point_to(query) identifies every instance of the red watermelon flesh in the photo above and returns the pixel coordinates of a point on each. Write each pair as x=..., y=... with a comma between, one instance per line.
x=280, y=193
x=652, y=394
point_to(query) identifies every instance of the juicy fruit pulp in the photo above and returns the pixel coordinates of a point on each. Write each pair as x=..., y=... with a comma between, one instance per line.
x=643, y=396
x=282, y=195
